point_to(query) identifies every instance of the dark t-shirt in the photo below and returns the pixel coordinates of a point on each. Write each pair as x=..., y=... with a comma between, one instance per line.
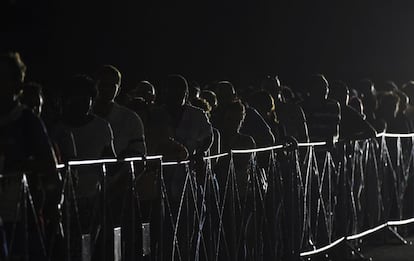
x=24, y=148
x=23, y=138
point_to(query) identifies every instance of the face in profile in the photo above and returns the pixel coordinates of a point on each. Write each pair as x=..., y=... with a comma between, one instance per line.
x=77, y=105
x=108, y=87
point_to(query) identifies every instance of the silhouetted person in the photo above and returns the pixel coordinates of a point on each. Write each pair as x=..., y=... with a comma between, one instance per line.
x=291, y=117
x=81, y=134
x=24, y=148
x=233, y=115
x=402, y=124
x=408, y=88
x=368, y=96
x=205, y=106
x=127, y=126
x=352, y=125
x=388, y=103
x=191, y=125
x=253, y=125
x=322, y=114
x=263, y=102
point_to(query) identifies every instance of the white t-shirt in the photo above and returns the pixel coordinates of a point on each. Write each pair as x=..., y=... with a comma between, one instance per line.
x=128, y=130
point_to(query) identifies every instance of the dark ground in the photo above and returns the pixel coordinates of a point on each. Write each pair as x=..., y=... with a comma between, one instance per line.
x=391, y=252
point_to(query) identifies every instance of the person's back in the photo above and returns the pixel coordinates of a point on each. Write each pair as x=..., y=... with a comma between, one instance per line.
x=322, y=114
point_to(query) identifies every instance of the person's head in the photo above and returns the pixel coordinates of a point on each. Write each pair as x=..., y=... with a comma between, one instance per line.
x=176, y=90
x=108, y=82
x=367, y=94
x=234, y=115
x=225, y=92
x=193, y=90
x=12, y=74
x=262, y=101
x=202, y=104
x=339, y=91
x=408, y=88
x=288, y=95
x=388, y=86
x=32, y=97
x=144, y=90
x=318, y=87
x=404, y=100
x=388, y=105
x=272, y=85
x=78, y=96
x=210, y=97
x=357, y=105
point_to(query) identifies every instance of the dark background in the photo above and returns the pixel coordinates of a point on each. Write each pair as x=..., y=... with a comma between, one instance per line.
x=212, y=39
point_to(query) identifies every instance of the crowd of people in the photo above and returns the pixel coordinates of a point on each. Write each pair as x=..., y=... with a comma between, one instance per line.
x=91, y=117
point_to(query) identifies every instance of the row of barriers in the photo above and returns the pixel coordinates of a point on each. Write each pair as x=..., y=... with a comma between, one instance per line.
x=286, y=202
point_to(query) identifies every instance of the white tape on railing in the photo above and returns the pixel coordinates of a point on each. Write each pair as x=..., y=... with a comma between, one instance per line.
x=257, y=150
x=358, y=236
x=216, y=156
x=400, y=222
x=91, y=162
x=395, y=135
x=172, y=163
x=322, y=249
x=309, y=144
x=367, y=232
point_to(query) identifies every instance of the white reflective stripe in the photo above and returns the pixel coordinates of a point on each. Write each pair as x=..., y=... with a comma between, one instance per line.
x=172, y=163
x=322, y=249
x=308, y=144
x=400, y=222
x=216, y=156
x=132, y=159
x=395, y=135
x=367, y=232
x=60, y=166
x=257, y=150
x=90, y=162
x=154, y=157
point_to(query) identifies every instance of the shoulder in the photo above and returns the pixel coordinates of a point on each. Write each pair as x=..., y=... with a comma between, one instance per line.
x=127, y=113
x=247, y=141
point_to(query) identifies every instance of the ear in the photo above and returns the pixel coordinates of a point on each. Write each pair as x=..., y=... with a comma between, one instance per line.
x=118, y=90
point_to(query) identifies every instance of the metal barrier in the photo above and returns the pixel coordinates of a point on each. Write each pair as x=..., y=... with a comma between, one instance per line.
x=280, y=202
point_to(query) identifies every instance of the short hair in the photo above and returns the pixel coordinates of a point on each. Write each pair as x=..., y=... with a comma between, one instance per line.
x=177, y=83
x=107, y=70
x=318, y=85
x=15, y=66
x=80, y=84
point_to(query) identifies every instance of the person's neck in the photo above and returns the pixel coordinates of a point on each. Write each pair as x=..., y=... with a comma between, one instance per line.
x=102, y=107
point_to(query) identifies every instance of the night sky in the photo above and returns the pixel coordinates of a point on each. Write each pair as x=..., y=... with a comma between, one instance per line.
x=207, y=40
